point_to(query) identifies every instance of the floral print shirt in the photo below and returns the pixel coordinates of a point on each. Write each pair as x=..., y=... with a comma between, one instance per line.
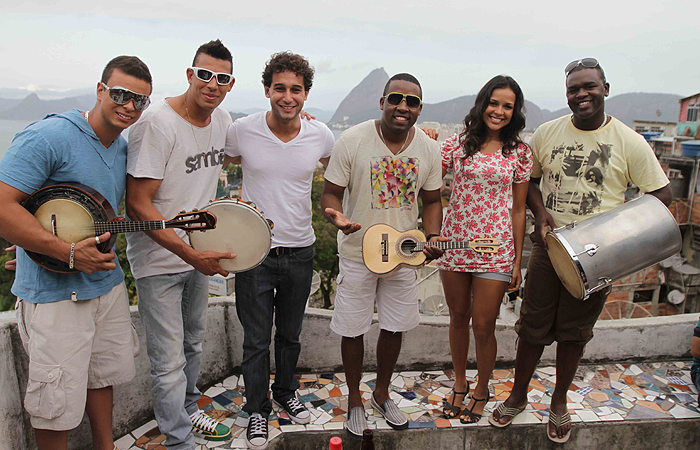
x=478, y=205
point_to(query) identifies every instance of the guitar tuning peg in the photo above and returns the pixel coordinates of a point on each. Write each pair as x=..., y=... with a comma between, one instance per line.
x=182, y=212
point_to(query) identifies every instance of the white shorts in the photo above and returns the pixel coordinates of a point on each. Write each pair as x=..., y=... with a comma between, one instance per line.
x=74, y=346
x=396, y=295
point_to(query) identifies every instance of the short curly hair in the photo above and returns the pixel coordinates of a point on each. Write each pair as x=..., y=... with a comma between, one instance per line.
x=288, y=62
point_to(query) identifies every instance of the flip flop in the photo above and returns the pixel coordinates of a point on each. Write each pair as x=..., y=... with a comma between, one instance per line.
x=504, y=410
x=558, y=420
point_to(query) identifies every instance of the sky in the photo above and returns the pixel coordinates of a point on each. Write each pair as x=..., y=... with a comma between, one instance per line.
x=452, y=47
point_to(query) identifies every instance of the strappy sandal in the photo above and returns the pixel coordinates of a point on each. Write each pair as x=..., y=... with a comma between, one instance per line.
x=450, y=410
x=503, y=411
x=470, y=414
x=558, y=420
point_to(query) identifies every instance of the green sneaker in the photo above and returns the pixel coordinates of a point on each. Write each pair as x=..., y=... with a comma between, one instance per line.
x=203, y=426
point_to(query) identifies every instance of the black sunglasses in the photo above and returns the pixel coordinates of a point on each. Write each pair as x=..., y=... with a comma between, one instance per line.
x=589, y=63
x=395, y=99
x=222, y=78
x=122, y=96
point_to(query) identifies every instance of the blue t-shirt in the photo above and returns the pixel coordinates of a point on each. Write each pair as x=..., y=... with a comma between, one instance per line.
x=63, y=148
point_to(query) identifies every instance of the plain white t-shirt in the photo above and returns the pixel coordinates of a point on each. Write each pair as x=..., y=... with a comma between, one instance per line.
x=164, y=146
x=277, y=176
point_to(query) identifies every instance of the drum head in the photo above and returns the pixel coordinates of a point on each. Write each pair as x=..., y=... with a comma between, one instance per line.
x=564, y=265
x=240, y=229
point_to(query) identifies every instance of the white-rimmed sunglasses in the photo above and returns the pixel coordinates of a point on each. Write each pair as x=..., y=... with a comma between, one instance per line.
x=222, y=78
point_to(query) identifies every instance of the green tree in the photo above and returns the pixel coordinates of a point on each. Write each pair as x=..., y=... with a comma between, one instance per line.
x=326, y=245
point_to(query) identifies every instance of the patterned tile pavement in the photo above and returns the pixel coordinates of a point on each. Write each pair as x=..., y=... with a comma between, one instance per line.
x=599, y=393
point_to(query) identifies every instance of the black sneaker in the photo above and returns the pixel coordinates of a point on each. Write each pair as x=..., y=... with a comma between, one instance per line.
x=296, y=410
x=256, y=434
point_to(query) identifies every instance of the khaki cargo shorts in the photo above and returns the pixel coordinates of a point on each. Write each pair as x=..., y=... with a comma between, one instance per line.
x=74, y=346
x=549, y=313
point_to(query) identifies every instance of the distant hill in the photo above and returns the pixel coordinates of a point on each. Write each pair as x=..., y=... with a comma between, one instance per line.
x=453, y=111
x=235, y=116
x=7, y=103
x=635, y=106
x=362, y=104
x=34, y=108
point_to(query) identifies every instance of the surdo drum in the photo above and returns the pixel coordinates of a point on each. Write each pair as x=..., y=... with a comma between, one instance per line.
x=241, y=229
x=592, y=254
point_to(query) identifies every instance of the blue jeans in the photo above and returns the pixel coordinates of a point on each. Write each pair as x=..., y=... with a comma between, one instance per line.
x=173, y=309
x=278, y=288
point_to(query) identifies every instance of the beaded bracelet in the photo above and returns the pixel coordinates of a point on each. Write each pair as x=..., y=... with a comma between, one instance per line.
x=71, y=263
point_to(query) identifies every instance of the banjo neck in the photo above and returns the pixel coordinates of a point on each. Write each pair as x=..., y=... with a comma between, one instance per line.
x=129, y=226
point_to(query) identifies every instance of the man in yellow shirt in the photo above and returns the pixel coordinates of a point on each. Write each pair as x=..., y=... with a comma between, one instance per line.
x=582, y=165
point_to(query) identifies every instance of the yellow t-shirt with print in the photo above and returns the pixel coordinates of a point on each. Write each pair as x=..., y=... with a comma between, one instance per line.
x=585, y=173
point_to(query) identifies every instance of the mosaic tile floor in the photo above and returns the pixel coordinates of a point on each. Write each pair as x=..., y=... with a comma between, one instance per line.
x=599, y=393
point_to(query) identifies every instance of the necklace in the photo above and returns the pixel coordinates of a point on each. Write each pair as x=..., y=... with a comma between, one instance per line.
x=187, y=112
x=381, y=135
x=605, y=121
x=86, y=115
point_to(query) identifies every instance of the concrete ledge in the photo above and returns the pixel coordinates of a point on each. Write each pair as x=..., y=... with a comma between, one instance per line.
x=649, y=339
x=643, y=434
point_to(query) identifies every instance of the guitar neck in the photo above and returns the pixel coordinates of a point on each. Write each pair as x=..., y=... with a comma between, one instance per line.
x=128, y=226
x=444, y=245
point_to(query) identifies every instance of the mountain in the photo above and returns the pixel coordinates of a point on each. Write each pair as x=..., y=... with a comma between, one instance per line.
x=636, y=106
x=453, y=111
x=7, y=103
x=362, y=103
x=34, y=108
x=320, y=114
x=48, y=94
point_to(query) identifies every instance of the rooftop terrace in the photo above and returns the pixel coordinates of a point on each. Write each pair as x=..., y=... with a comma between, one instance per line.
x=632, y=391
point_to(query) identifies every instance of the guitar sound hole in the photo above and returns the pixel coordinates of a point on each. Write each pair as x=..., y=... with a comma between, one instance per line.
x=407, y=247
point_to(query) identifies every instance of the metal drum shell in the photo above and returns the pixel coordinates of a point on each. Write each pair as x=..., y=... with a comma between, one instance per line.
x=629, y=238
x=240, y=228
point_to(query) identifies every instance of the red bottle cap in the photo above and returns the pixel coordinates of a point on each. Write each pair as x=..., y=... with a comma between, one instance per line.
x=336, y=443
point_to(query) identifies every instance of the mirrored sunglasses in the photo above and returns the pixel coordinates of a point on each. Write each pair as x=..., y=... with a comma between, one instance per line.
x=222, y=78
x=395, y=98
x=122, y=96
x=589, y=63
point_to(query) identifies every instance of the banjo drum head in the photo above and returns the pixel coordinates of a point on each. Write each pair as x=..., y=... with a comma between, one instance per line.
x=240, y=229
x=564, y=265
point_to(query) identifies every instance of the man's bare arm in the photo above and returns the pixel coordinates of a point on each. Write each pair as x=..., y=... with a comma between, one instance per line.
x=20, y=227
x=332, y=207
x=140, y=193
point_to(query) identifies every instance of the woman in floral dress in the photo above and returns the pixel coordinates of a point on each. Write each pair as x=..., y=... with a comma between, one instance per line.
x=489, y=161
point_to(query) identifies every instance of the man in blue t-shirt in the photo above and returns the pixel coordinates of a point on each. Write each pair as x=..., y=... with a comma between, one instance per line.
x=75, y=326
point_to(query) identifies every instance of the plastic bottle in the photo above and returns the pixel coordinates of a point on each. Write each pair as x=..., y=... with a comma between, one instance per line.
x=367, y=440
x=335, y=444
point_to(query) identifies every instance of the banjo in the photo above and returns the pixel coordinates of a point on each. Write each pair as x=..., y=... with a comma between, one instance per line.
x=74, y=212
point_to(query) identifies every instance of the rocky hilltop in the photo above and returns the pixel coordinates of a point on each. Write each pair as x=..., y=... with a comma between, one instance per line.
x=362, y=104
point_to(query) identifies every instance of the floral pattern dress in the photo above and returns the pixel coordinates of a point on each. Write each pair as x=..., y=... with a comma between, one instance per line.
x=478, y=205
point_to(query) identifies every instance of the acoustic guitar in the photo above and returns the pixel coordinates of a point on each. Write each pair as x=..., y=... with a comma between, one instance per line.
x=385, y=249
x=74, y=212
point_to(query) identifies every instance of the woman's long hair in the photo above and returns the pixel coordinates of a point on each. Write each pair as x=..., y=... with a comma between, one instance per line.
x=475, y=130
